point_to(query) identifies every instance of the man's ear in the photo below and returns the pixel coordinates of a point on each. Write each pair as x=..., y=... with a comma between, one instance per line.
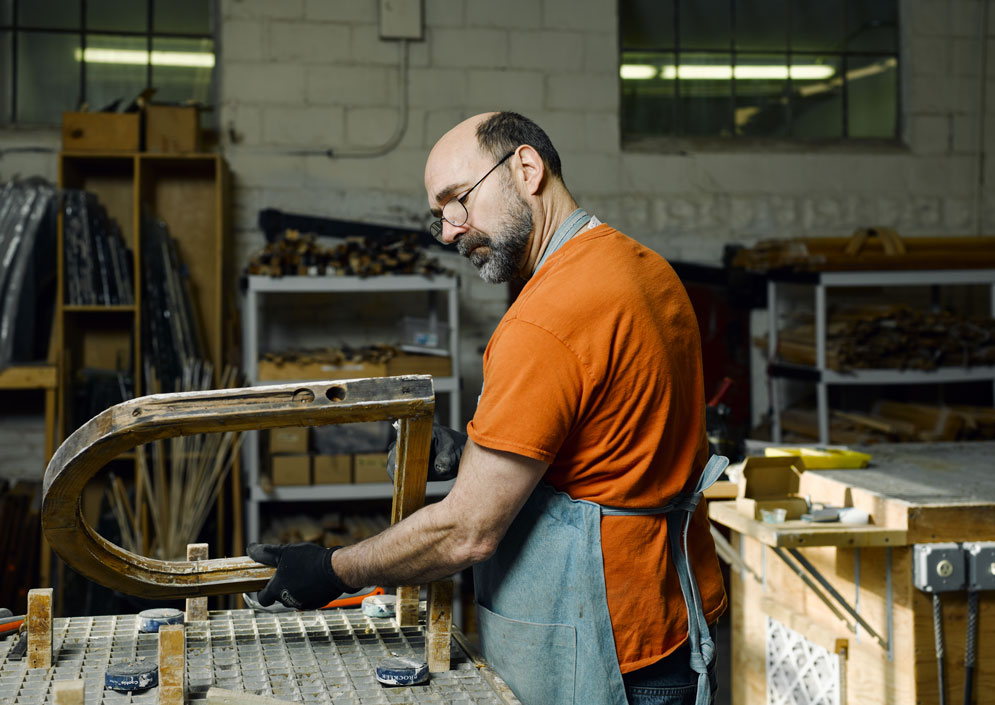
x=533, y=169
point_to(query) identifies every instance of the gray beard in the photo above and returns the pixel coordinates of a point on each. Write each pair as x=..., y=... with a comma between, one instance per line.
x=506, y=250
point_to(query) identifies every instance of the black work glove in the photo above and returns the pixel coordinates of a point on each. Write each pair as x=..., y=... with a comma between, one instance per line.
x=304, y=577
x=443, y=456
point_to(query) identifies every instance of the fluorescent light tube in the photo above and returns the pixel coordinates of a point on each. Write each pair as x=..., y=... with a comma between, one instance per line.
x=637, y=72
x=137, y=57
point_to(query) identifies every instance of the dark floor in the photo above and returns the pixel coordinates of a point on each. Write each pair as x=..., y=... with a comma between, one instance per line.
x=723, y=650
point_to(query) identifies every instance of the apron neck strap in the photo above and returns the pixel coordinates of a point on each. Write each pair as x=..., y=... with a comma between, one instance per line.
x=568, y=228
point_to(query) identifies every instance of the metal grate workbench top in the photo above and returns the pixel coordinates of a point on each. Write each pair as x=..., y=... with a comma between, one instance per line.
x=324, y=657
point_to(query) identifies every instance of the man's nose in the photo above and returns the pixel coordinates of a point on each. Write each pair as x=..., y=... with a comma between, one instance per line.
x=451, y=233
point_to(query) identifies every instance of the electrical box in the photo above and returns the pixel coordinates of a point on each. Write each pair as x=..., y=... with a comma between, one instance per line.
x=400, y=19
x=938, y=567
x=980, y=565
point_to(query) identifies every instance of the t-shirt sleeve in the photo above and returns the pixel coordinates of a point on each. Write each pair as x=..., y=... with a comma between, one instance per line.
x=533, y=388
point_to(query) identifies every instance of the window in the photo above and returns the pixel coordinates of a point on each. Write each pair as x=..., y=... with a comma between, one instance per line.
x=759, y=68
x=58, y=55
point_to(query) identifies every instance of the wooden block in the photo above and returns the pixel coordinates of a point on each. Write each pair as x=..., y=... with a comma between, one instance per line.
x=172, y=652
x=196, y=606
x=171, y=129
x=69, y=692
x=439, y=626
x=406, y=614
x=39, y=620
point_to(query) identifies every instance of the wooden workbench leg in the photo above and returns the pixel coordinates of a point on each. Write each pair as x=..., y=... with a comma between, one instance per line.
x=39, y=628
x=439, y=625
x=196, y=606
x=69, y=692
x=172, y=652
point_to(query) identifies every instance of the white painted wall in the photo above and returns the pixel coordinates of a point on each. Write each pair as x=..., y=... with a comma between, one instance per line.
x=312, y=75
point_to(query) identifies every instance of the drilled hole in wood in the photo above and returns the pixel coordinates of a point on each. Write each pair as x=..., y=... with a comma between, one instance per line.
x=304, y=396
x=335, y=393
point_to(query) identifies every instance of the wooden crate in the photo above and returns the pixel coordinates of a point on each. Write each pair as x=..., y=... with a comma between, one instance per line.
x=101, y=132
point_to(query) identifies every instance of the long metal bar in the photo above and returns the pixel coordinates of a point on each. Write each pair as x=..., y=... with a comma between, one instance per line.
x=800, y=572
x=806, y=565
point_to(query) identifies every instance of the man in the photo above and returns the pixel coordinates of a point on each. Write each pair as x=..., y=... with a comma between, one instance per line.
x=574, y=490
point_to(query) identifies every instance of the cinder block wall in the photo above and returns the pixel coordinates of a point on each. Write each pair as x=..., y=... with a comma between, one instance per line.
x=300, y=75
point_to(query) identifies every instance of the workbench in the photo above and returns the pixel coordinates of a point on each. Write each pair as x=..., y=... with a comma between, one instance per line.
x=321, y=656
x=794, y=642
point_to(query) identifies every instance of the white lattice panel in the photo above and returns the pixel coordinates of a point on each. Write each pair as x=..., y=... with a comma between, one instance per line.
x=800, y=672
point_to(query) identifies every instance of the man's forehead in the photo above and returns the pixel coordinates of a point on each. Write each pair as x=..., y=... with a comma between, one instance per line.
x=453, y=160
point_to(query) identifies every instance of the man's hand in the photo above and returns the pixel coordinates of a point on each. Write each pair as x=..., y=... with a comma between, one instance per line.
x=443, y=457
x=304, y=577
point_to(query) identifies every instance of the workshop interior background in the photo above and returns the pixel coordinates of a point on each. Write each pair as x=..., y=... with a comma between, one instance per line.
x=297, y=83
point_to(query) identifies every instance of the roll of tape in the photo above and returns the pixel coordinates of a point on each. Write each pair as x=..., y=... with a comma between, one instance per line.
x=379, y=605
x=402, y=671
x=136, y=674
x=150, y=620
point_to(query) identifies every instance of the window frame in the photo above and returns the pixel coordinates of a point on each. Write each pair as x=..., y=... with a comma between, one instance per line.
x=682, y=143
x=15, y=30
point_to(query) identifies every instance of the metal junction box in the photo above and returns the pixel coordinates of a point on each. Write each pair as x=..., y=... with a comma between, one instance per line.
x=938, y=567
x=980, y=565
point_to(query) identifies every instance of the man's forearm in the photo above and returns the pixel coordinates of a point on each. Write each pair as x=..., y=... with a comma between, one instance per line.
x=424, y=547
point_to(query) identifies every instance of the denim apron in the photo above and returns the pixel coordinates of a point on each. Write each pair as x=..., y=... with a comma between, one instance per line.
x=542, y=607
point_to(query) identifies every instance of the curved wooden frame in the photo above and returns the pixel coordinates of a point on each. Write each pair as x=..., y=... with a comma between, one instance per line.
x=411, y=399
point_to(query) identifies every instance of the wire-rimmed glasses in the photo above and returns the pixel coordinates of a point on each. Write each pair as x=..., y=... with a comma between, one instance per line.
x=454, y=211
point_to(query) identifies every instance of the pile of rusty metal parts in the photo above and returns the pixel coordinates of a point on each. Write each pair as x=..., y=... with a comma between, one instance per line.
x=894, y=422
x=333, y=355
x=298, y=254
x=891, y=337
x=876, y=248
x=332, y=529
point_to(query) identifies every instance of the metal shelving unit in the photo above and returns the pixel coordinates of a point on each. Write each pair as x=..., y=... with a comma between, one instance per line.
x=253, y=325
x=822, y=377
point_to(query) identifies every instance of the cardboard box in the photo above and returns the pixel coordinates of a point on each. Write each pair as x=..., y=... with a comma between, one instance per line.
x=269, y=370
x=369, y=467
x=101, y=132
x=172, y=129
x=407, y=364
x=291, y=470
x=332, y=469
x=293, y=439
x=769, y=483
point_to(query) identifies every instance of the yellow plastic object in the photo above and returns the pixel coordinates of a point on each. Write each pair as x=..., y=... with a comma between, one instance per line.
x=824, y=458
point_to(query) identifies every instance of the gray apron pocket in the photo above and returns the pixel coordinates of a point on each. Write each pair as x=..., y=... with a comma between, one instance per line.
x=538, y=661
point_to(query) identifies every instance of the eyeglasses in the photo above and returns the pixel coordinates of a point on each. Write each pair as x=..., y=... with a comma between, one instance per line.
x=455, y=212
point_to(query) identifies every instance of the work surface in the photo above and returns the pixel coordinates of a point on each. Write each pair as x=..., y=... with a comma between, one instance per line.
x=311, y=657
x=927, y=473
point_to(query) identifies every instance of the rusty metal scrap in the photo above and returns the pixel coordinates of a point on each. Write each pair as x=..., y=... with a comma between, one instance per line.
x=301, y=255
x=337, y=356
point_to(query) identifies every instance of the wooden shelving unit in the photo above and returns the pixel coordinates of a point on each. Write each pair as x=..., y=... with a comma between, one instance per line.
x=190, y=193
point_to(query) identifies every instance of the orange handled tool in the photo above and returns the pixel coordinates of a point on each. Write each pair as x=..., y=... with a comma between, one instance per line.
x=354, y=600
x=9, y=625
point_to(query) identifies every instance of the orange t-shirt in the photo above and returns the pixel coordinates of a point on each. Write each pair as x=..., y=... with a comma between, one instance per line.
x=596, y=369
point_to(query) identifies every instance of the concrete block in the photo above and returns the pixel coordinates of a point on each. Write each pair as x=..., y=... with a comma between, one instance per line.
x=592, y=15
x=929, y=134
x=437, y=88
x=355, y=173
x=657, y=173
x=316, y=126
x=439, y=122
x=515, y=90
x=510, y=14
x=370, y=127
x=469, y=48
x=333, y=11
x=445, y=13
x=309, y=42
x=784, y=211
x=259, y=82
x=967, y=57
x=256, y=9
x=928, y=212
x=601, y=52
x=925, y=18
x=592, y=172
x=351, y=86
x=965, y=133
x=406, y=177
x=241, y=40
x=255, y=169
x=958, y=213
x=242, y=124
x=603, y=132
x=546, y=50
x=929, y=56
x=965, y=17
x=965, y=94
x=579, y=91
